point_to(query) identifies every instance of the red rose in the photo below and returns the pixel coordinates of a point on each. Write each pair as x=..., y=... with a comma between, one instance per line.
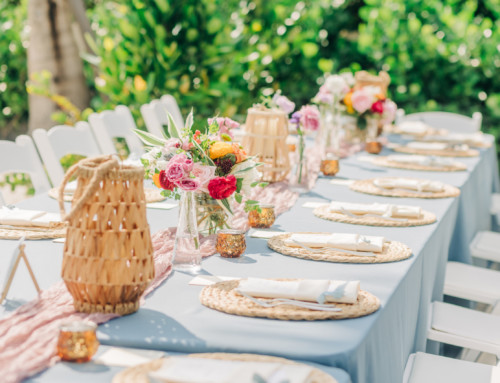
x=378, y=107
x=165, y=183
x=222, y=187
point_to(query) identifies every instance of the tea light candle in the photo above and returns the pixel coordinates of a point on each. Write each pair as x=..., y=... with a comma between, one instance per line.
x=230, y=243
x=263, y=219
x=373, y=147
x=329, y=166
x=77, y=341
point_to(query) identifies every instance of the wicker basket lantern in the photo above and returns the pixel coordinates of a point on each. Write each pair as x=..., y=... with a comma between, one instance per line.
x=265, y=136
x=364, y=78
x=108, y=255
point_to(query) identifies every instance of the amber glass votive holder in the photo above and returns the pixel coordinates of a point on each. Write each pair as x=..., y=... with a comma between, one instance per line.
x=230, y=243
x=329, y=166
x=263, y=219
x=77, y=341
x=373, y=147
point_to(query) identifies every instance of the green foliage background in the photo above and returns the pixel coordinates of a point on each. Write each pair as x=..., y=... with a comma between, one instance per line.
x=218, y=55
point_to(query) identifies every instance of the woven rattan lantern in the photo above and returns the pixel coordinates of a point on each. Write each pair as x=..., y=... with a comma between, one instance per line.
x=364, y=78
x=265, y=136
x=108, y=255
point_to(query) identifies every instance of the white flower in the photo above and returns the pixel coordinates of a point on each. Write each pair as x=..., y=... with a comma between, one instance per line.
x=348, y=78
x=336, y=85
x=248, y=176
x=161, y=164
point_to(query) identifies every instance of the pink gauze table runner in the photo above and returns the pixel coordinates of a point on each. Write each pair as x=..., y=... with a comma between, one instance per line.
x=28, y=336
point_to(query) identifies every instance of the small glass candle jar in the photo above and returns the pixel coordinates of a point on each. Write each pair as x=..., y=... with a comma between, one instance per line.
x=77, y=341
x=329, y=166
x=373, y=147
x=262, y=220
x=230, y=243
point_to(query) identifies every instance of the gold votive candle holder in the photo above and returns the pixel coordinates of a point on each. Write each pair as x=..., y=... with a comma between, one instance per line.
x=77, y=341
x=263, y=219
x=329, y=166
x=373, y=147
x=230, y=243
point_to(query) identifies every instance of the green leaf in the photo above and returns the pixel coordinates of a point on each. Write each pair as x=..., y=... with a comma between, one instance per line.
x=238, y=197
x=189, y=120
x=239, y=184
x=149, y=139
x=225, y=204
x=172, y=128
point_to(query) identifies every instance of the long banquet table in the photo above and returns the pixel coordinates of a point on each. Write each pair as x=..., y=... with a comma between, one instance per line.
x=370, y=349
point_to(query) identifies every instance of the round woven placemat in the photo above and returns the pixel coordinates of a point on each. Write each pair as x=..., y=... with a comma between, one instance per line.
x=139, y=374
x=441, y=153
x=152, y=195
x=368, y=187
x=383, y=161
x=222, y=296
x=324, y=212
x=48, y=233
x=391, y=252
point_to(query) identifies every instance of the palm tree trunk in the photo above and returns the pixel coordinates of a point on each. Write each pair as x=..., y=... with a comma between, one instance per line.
x=52, y=47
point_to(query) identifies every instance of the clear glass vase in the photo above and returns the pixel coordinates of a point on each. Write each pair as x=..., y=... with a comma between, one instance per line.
x=211, y=217
x=187, y=255
x=299, y=175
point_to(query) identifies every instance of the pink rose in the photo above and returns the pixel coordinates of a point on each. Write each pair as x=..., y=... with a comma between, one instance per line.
x=188, y=184
x=174, y=171
x=203, y=174
x=362, y=100
x=309, y=117
x=390, y=109
x=225, y=125
x=324, y=96
x=284, y=103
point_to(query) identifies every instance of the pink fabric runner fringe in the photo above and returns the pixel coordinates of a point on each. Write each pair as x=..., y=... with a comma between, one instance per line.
x=28, y=336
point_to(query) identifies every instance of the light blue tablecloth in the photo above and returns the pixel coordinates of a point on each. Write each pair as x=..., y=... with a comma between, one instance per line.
x=371, y=349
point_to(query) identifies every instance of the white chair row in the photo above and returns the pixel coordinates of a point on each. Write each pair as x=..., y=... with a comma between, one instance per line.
x=86, y=139
x=444, y=120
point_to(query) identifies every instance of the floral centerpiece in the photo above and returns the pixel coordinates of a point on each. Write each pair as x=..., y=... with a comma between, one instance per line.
x=208, y=164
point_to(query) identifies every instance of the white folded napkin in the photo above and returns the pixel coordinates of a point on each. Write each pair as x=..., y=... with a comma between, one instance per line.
x=421, y=160
x=427, y=145
x=307, y=290
x=201, y=370
x=409, y=184
x=383, y=210
x=413, y=127
x=20, y=217
x=352, y=242
x=477, y=138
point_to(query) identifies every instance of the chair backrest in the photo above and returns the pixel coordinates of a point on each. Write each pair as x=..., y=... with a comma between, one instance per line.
x=61, y=140
x=21, y=157
x=453, y=122
x=155, y=114
x=113, y=124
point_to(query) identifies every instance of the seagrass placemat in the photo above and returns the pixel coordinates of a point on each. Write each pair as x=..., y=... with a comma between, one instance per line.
x=383, y=161
x=391, y=252
x=34, y=233
x=139, y=374
x=222, y=296
x=324, y=212
x=442, y=153
x=368, y=187
x=152, y=195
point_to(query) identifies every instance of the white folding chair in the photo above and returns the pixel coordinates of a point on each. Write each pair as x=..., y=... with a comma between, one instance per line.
x=428, y=368
x=456, y=123
x=171, y=104
x=21, y=157
x=61, y=140
x=112, y=124
x=464, y=327
x=155, y=114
